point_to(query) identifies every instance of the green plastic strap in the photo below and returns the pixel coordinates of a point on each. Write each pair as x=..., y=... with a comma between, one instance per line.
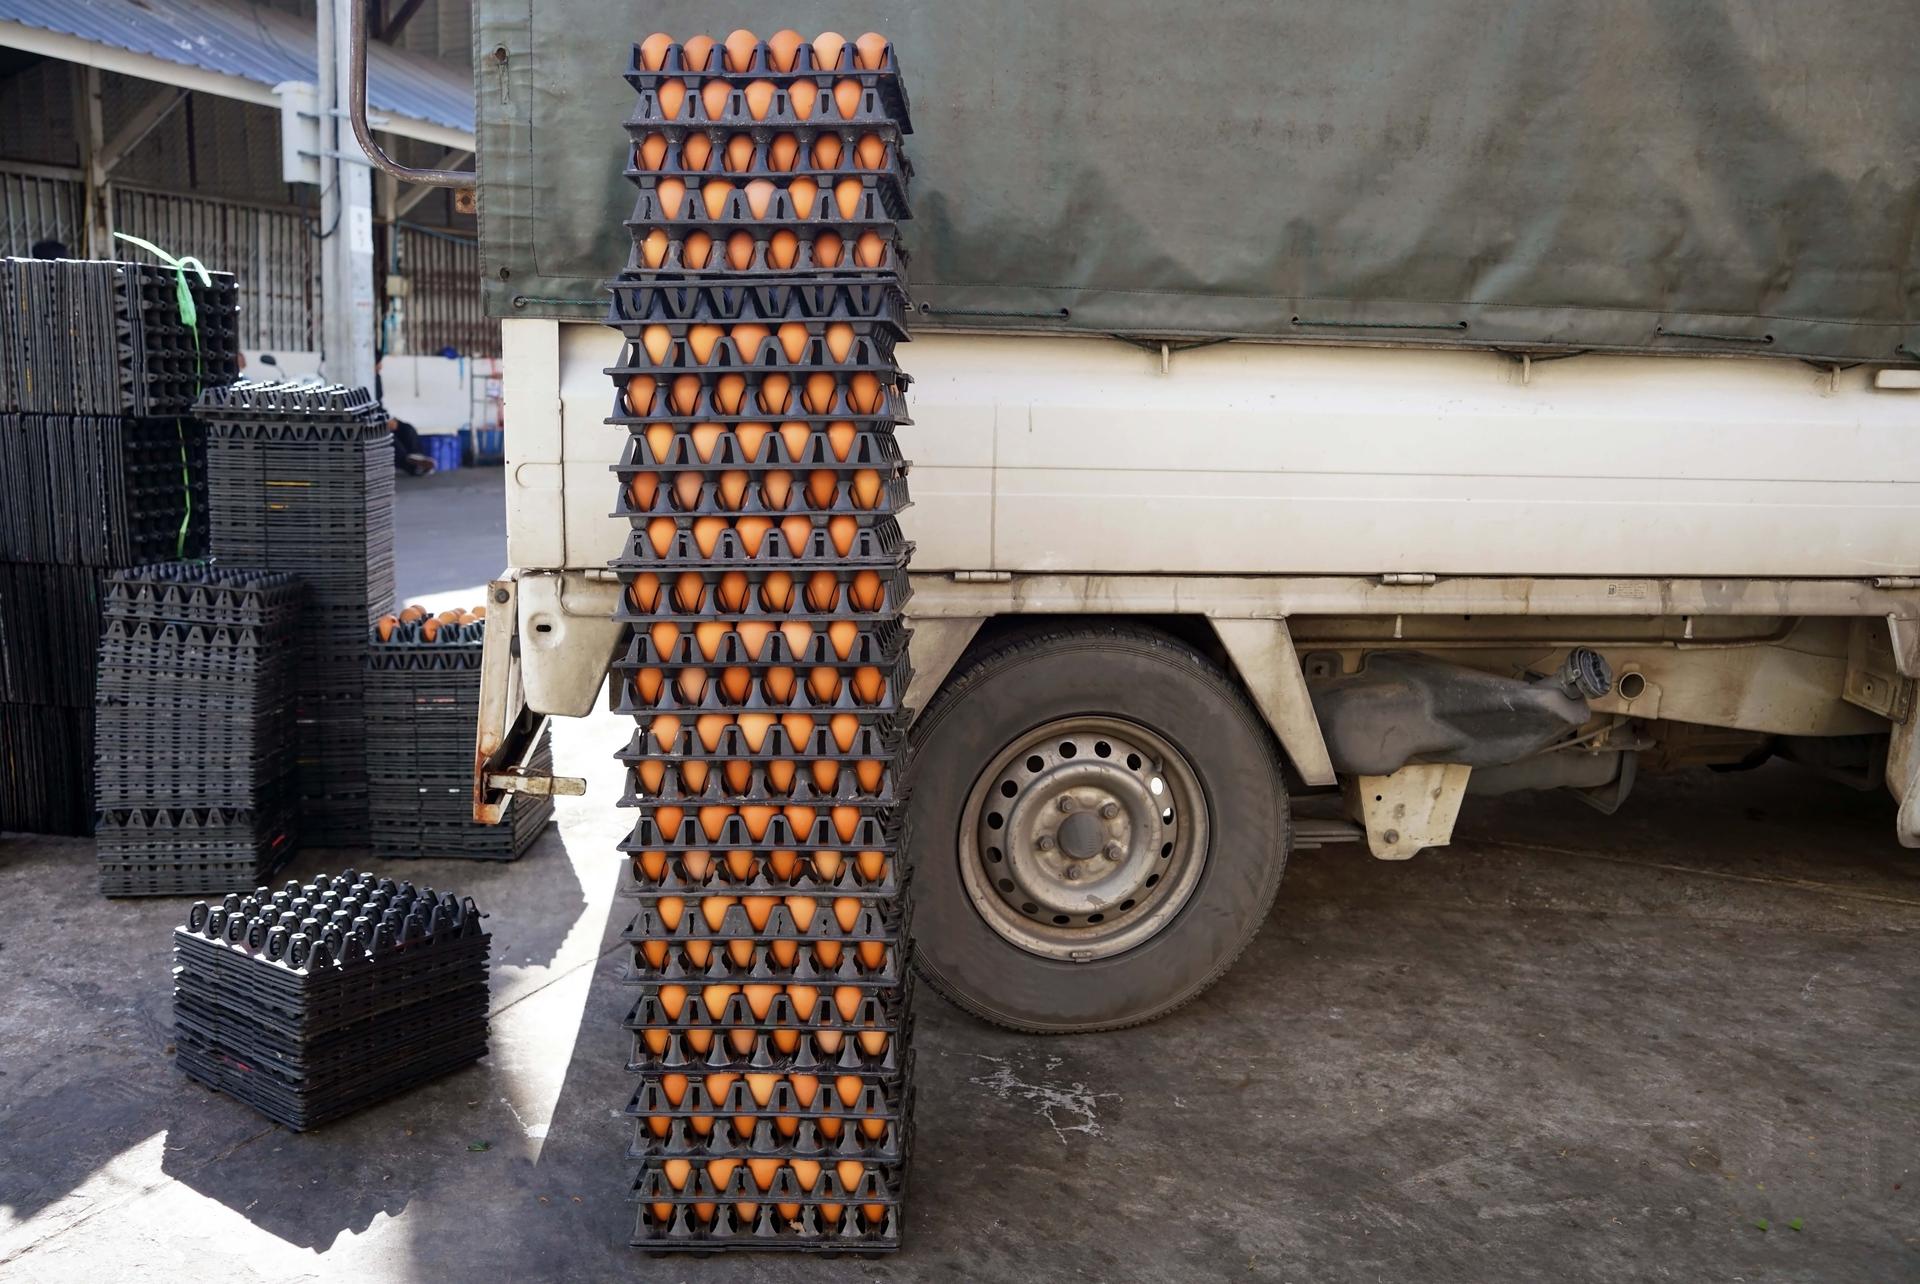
x=189, y=317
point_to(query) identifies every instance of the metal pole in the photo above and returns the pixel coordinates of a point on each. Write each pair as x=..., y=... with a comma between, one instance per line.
x=346, y=213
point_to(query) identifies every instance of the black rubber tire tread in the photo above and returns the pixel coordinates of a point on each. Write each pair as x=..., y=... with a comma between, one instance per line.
x=1221, y=728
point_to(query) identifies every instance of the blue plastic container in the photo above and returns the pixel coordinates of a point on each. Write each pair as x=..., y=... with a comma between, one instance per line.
x=443, y=448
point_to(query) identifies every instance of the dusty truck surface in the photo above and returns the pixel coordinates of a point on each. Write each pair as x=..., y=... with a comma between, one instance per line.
x=1390, y=403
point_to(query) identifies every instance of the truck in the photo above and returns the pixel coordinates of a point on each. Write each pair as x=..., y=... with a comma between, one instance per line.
x=1323, y=415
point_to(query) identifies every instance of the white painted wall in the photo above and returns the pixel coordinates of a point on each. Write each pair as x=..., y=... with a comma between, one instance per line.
x=432, y=393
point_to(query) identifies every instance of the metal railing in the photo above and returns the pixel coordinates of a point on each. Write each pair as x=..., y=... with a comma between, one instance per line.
x=444, y=308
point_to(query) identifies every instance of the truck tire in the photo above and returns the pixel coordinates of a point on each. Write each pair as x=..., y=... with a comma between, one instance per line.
x=1099, y=828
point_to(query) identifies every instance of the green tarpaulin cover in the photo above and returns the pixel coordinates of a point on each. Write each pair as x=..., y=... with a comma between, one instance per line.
x=1738, y=176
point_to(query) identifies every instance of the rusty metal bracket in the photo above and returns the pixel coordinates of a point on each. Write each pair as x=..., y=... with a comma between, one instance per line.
x=357, y=116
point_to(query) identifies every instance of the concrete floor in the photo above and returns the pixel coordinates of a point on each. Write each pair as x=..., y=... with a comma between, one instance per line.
x=1569, y=1046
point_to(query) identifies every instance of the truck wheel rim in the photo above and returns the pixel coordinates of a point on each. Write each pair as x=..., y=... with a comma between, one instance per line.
x=1083, y=838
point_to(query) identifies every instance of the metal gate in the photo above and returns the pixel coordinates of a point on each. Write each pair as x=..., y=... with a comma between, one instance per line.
x=37, y=206
x=444, y=306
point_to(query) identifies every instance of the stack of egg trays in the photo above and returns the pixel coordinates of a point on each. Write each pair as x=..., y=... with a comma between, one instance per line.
x=301, y=480
x=765, y=664
x=317, y=1000
x=46, y=768
x=805, y=176
x=79, y=337
x=423, y=706
x=194, y=755
x=101, y=491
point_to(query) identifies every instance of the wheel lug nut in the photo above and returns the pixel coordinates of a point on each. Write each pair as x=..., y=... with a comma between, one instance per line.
x=1109, y=810
x=1067, y=803
x=1113, y=851
x=1044, y=842
x=1073, y=873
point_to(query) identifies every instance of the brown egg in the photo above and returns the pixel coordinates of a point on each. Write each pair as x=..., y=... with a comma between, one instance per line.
x=709, y=727
x=751, y=436
x=740, y=251
x=826, y=151
x=776, y=593
x=751, y=531
x=691, y=685
x=740, y=46
x=664, y=730
x=706, y=436
x=669, y=820
x=776, y=488
x=826, y=50
x=827, y=249
x=643, y=593
x=697, y=53
x=672, y=96
x=803, y=192
x=754, y=634
x=706, y=533
x=818, y=395
x=846, y=98
x=714, y=97
x=696, y=251
x=665, y=637
x=782, y=48
x=760, y=194
x=651, y=152
x=640, y=494
x=845, y=821
x=798, y=635
x=842, y=634
x=823, y=684
x=700, y=342
x=870, y=250
x=781, y=151
x=708, y=635
x=689, y=591
x=653, y=50
x=871, y=49
x=657, y=342
x=774, y=391
x=754, y=728
x=821, y=487
x=826, y=774
x=729, y=391
x=713, y=819
x=756, y=818
x=696, y=151
x=672, y=195
x=653, y=250
x=660, y=535
x=686, y=491
x=870, y=152
x=648, y=684
x=640, y=394
x=693, y=776
x=823, y=590
x=388, y=623
x=803, y=96
x=794, y=436
x=866, y=592
x=866, y=488
x=732, y=488
x=759, y=96
x=796, y=532
x=868, y=684
x=738, y=771
x=793, y=340
x=863, y=393
x=714, y=196
x=839, y=346
x=778, y=683
x=846, y=195
x=739, y=155
x=841, y=530
x=871, y=773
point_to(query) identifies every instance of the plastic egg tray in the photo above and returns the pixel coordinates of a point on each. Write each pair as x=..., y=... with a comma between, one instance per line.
x=765, y=663
x=313, y=1001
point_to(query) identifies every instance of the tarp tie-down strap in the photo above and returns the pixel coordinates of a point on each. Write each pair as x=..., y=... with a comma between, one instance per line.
x=189, y=317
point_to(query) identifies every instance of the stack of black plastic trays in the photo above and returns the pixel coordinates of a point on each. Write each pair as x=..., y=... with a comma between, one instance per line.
x=193, y=743
x=766, y=660
x=101, y=466
x=301, y=478
x=313, y=1001
x=423, y=704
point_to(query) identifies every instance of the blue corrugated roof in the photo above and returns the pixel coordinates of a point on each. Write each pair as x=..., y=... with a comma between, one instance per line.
x=251, y=42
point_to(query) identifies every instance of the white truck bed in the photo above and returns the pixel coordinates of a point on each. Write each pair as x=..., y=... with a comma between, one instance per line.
x=1056, y=454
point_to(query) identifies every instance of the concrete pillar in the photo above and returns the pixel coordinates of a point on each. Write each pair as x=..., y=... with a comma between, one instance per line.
x=347, y=321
